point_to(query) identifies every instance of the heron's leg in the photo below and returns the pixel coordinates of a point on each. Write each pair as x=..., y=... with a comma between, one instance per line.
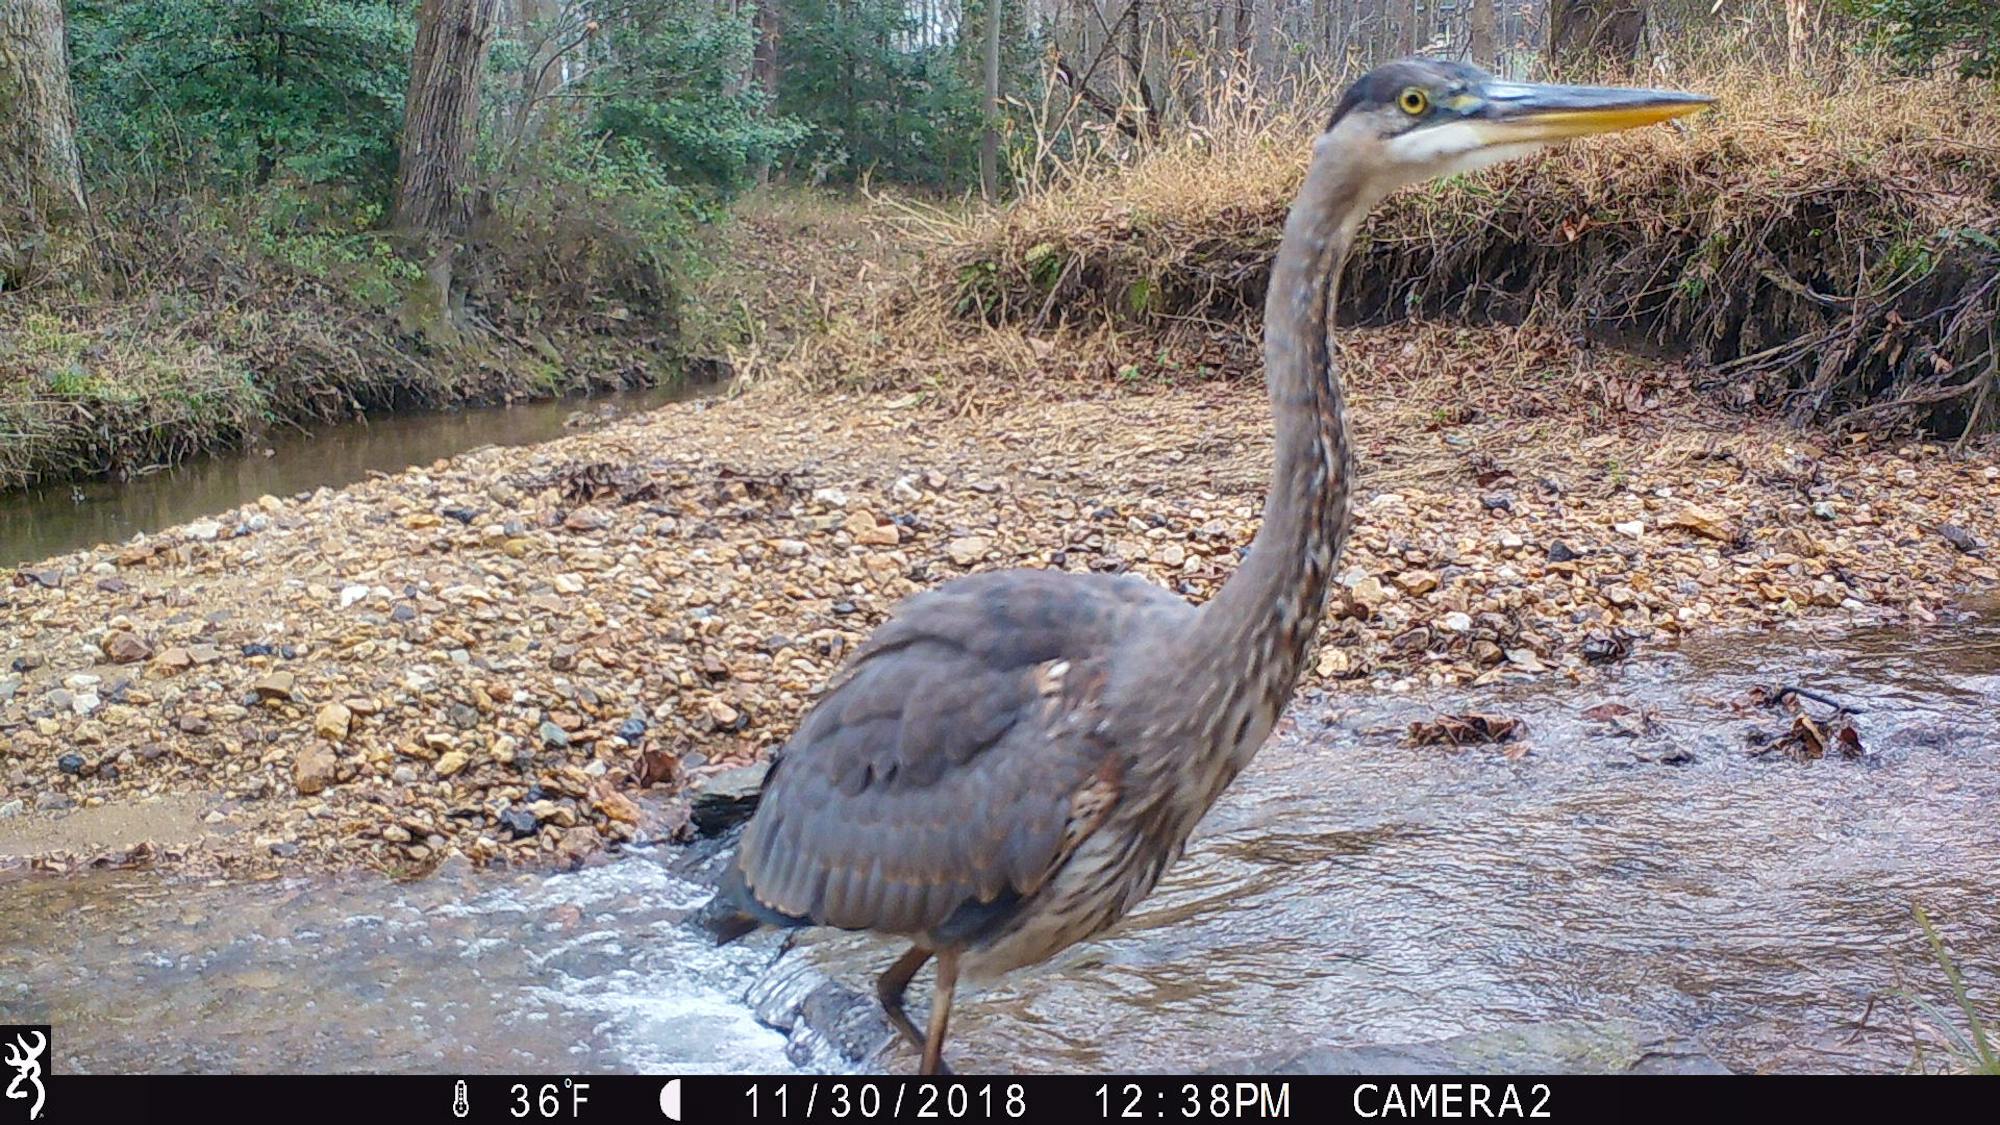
x=889, y=988
x=947, y=983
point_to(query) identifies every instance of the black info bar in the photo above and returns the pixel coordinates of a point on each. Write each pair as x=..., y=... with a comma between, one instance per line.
x=367, y=1099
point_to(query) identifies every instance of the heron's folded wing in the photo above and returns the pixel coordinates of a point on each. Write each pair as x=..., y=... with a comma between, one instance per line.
x=940, y=771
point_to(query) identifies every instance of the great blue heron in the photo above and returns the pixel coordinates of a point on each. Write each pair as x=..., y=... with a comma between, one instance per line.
x=1007, y=766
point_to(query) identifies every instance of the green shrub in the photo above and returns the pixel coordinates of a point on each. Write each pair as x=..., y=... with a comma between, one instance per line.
x=1922, y=31
x=185, y=93
x=677, y=90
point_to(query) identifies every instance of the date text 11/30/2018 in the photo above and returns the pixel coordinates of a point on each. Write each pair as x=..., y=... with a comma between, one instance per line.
x=949, y=1100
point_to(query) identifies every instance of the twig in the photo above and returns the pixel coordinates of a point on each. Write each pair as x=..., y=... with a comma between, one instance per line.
x=1816, y=697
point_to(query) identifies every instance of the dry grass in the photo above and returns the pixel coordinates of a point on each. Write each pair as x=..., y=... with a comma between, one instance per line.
x=1836, y=255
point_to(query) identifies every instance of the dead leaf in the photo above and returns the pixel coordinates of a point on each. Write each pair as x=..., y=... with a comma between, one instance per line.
x=1464, y=730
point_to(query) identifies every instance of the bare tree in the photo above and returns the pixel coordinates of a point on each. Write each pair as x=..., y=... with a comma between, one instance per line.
x=764, y=62
x=43, y=214
x=989, y=141
x=1480, y=32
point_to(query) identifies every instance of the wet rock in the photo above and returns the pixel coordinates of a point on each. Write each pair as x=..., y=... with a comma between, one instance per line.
x=49, y=578
x=71, y=764
x=1568, y=1047
x=728, y=798
x=123, y=647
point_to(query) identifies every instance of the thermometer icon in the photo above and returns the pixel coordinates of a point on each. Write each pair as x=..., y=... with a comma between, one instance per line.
x=459, y=1108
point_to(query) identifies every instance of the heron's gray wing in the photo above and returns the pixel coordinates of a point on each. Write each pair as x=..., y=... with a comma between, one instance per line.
x=945, y=767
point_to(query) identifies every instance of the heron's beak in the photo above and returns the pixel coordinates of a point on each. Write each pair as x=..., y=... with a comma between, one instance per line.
x=1522, y=113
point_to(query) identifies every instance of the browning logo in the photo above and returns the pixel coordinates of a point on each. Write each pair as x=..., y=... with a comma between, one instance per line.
x=23, y=1048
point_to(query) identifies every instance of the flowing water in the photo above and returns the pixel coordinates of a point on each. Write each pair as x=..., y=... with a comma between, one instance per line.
x=40, y=523
x=1348, y=890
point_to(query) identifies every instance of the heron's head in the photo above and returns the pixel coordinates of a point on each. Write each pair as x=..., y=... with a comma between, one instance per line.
x=1422, y=118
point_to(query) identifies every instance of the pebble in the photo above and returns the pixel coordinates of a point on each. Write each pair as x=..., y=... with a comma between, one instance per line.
x=314, y=769
x=968, y=550
x=274, y=685
x=123, y=647
x=520, y=822
x=332, y=720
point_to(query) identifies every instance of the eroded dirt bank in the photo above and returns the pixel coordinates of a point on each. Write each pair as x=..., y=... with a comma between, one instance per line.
x=522, y=655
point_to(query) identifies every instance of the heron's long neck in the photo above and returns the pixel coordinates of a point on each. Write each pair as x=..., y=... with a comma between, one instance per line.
x=1258, y=629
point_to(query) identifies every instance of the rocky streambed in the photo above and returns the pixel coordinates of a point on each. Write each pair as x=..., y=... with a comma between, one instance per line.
x=1651, y=894
x=524, y=656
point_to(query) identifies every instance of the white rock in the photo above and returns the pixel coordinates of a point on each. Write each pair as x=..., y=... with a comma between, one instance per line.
x=1634, y=528
x=351, y=594
x=205, y=530
x=1455, y=622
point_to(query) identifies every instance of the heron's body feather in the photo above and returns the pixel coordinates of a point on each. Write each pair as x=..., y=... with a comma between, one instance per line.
x=962, y=759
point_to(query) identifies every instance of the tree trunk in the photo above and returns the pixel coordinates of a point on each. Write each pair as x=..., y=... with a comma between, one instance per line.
x=441, y=118
x=989, y=141
x=43, y=215
x=1264, y=41
x=1596, y=29
x=1480, y=33
x=764, y=62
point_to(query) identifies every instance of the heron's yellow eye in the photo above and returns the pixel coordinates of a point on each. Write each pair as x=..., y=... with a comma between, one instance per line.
x=1414, y=101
